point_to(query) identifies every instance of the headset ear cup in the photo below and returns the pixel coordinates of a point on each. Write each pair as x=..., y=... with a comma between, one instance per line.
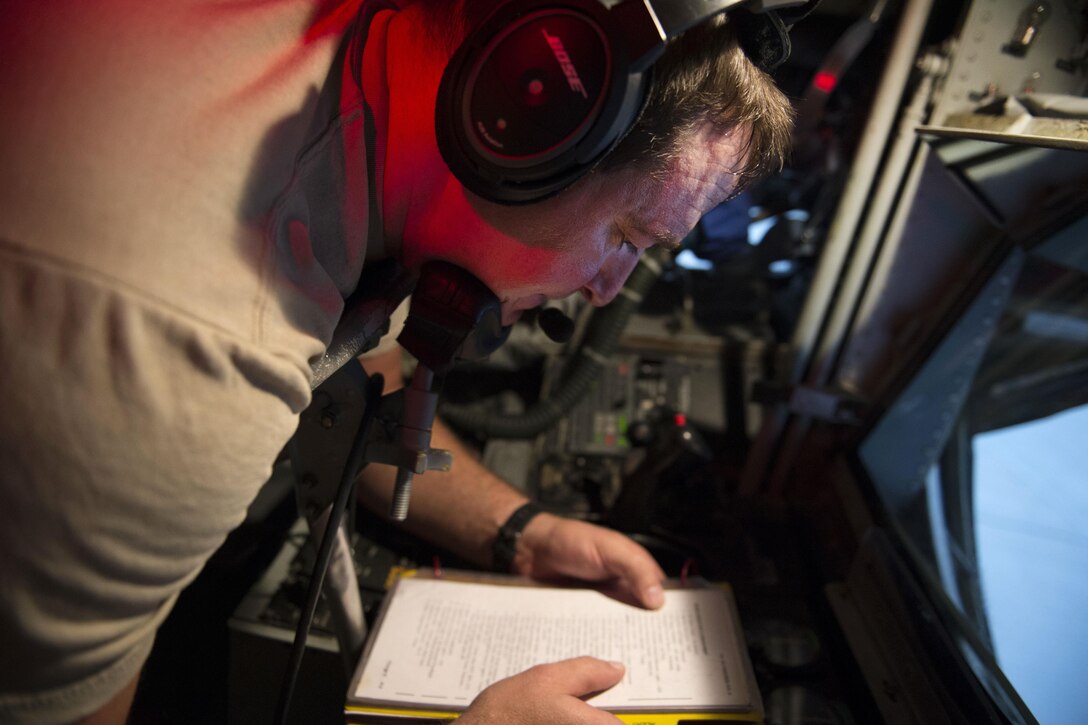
x=534, y=98
x=542, y=90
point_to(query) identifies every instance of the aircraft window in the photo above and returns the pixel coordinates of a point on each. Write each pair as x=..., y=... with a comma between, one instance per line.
x=1012, y=490
x=1027, y=414
x=1031, y=502
x=982, y=463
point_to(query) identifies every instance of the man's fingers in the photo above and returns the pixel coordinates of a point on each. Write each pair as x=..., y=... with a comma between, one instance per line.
x=634, y=566
x=622, y=567
x=550, y=694
x=578, y=677
x=646, y=577
x=652, y=595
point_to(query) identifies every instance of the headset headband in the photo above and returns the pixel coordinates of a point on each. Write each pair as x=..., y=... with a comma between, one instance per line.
x=541, y=90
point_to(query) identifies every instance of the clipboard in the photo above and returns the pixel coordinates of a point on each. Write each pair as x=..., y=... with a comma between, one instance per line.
x=439, y=640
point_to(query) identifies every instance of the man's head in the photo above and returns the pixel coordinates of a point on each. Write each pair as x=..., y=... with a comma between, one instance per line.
x=702, y=75
x=711, y=123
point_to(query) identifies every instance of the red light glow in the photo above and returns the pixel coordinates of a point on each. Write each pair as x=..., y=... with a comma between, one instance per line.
x=825, y=81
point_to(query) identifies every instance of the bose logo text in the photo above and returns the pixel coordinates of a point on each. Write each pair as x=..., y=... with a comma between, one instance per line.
x=561, y=56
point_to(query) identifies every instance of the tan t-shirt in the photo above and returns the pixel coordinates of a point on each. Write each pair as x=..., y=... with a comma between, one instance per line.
x=175, y=244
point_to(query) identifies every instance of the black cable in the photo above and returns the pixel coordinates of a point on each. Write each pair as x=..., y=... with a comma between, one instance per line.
x=324, y=553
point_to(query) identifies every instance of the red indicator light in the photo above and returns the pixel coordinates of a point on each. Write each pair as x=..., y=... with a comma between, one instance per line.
x=825, y=81
x=680, y=420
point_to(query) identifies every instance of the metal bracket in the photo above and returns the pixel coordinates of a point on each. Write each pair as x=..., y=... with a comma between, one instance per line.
x=320, y=452
x=393, y=454
x=831, y=406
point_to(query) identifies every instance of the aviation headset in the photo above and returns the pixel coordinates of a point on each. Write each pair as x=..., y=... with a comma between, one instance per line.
x=542, y=90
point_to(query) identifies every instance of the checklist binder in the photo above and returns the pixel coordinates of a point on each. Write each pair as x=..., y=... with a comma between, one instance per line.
x=439, y=641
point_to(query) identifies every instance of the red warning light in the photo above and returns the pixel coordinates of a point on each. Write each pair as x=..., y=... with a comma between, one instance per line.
x=680, y=420
x=825, y=81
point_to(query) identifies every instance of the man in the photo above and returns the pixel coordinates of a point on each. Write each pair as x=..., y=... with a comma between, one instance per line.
x=185, y=210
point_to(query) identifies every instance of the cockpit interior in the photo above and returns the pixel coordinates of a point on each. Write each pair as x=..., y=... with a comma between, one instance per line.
x=858, y=394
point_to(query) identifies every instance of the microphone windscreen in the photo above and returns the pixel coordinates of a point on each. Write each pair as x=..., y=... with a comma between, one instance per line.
x=557, y=326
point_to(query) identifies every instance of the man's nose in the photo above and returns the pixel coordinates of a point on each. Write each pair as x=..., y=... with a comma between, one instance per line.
x=603, y=288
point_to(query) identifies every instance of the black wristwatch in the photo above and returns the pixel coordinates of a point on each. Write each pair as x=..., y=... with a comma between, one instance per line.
x=505, y=547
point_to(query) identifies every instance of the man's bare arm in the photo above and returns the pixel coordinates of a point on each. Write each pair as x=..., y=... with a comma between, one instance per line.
x=460, y=510
x=463, y=509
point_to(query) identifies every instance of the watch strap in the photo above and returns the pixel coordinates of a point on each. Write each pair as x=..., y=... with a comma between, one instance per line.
x=505, y=547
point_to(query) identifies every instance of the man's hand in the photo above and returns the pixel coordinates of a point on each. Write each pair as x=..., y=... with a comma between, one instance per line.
x=547, y=695
x=553, y=548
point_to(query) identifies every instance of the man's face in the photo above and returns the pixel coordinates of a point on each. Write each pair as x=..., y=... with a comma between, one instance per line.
x=588, y=238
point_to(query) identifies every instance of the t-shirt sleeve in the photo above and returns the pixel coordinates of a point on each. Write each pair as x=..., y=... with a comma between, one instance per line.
x=132, y=439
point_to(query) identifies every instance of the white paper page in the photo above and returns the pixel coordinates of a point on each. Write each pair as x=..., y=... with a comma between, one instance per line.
x=442, y=642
